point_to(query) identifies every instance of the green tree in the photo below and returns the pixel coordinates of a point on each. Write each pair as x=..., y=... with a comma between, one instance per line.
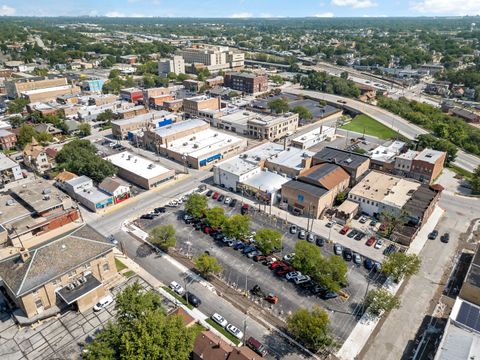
x=381, y=300
x=392, y=222
x=43, y=137
x=79, y=156
x=84, y=129
x=277, y=79
x=312, y=328
x=268, y=240
x=303, y=112
x=163, y=236
x=142, y=331
x=233, y=94
x=237, y=226
x=25, y=135
x=207, y=265
x=215, y=217
x=399, y=264
x=475, y=181
x=340, y=198
x=307, y=257
x=278, y=106
x=332, y=273
x=17, y=106
x=196, y=205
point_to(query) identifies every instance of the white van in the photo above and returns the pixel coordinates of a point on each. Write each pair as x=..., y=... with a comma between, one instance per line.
x=103, y=302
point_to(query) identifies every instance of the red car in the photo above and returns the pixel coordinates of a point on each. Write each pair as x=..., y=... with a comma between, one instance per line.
x=215, y=195
x=277, y=264
x=344, y=230
x=207, y=230
x=371, y=241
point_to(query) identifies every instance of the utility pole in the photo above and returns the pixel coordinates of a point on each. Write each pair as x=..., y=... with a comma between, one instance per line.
x=245, y=328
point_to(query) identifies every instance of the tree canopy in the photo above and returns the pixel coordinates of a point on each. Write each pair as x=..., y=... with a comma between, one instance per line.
x=215, y=217
x=268, y=240
x=303, y=112
x=381, y=300
x=321, y=81
x=311, y=327
x=278, y=106
x=399, y=264
x=79, y=157
x=237, y=226
x=196, y=205
x=163, y=236
x=207, y=265
x=141, y=330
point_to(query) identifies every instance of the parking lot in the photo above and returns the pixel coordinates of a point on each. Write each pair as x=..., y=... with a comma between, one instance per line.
x=243, y=273
x=60, y=337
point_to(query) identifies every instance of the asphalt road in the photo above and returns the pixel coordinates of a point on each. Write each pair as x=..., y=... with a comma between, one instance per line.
x=411, y=131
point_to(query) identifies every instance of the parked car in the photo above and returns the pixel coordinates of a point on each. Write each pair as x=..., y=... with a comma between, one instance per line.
x=311, y=237
x=244, y=210
x=248, y=249
x=192, y=299
x=433, y=235
x=293, y=229
x=330, y=223
x=147, y=216
x=277, y=264
x=347, y=254
x=234, y=331
x=257, y=346
x=207, y=230
x=177, y=288
x=292, y=275
x=259, y=257
x=113, y=240
x=368, y=264
x=160, y=210
x=373, y=222
x=320, y=241
x=219, y=319
x=445, y=238
x=173, y=203
x=378, y=244
x=377, y=266
x=360, y=235
x=363, y=220
x=326, y=295
x=233, y=203
x=357, y=259
x=337, y=249
x=103, y=302
x=239, y=246
x=227, y=200
x=301, y=279
x=221, y=198
x=371, y=241
x=289, y=257
x=271, y=298
x=301, y=234
x=344, y=230
x=215, y=195
x=352, y=234
x=389, y=249
x=209, y=193
x=254, y=253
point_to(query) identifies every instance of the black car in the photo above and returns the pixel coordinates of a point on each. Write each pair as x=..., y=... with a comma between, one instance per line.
x=147, y=216
x=352, y=234
x=316, y=289
x=192, y=299
x=433, y=235
x=320, y=241
x=325, y=295
x=359, y=236
x=160, y=210
x=445, y=238
x=389, y=249
x=233, y=203
x=347, y=254
x=221, y=198
x=209, y=193
x=198, y=225
x=188, y=221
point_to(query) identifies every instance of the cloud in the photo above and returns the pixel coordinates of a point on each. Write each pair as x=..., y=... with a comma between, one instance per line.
x=356, y=4
x=327, y=14
x=241, y=15
x=450, y=7
x=7, y=10
x=114, y=14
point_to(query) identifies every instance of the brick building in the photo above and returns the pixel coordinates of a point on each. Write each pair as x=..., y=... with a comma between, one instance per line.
x=246, y=82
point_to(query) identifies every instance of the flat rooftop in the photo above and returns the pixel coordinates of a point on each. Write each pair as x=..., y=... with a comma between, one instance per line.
x=6, y=163
x=39, y=195
x=138, y=165
x=291, y=157
x=409, y=155
x=94, y=195
x=429, y=155
x=401, y=192
x=11, y=209
x=264, y=120
x=341, y=157
x=179, y=126
x=202, y=143
x=135, y=119
x=267, y=181
x=53, y=88
x=387, y=152
x=250, y=159
x=313, y=134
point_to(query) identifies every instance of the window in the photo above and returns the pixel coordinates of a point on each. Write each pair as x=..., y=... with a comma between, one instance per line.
x=106, y=267
x=39, y=303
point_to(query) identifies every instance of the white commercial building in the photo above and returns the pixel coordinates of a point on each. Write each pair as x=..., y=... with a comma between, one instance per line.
x=213, y=57
x=314, y=137
x=9, y=169
x=174, y=65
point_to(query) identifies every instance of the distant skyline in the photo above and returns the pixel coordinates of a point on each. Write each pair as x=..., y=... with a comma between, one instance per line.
x=240, y=8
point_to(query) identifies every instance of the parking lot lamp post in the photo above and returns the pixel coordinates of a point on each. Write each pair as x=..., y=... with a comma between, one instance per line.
x=246, y=278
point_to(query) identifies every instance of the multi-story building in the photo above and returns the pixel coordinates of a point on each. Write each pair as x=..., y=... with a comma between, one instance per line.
x=50, y=93
x=194, y=105
x=131, y=111
x=67, y=271
x=8, y=140
x=119, y=190
x=154, y=119
x=81, y=189
x=35, y=157
x=174, y=65
x=246, y=82
x=16, y=86
x=28, y=213
x=9, y=170
x=131, y=94
x=428, y=165
x=215, y=58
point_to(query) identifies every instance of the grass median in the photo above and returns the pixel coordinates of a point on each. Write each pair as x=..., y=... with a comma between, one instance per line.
x=366, y=125
x=223, y=331
x=178, y=297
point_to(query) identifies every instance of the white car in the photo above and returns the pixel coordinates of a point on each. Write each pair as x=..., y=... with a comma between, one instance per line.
x=113, y=240
x=227, y=200
x=176, y=287
x=293, y=275
x=378, y=244
x=219, y=319
x=173, y=203
x=234, y=331
x=103, y=302
x=179, y=201
x=301, y=279
x=330, y=224
x=289, y=257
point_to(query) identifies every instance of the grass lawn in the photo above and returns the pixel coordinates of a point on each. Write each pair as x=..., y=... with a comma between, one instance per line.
x=223, y=331
x=128, y=274
x=120, y=265
x=459, y=171
x=363, y=123
x=178, y=297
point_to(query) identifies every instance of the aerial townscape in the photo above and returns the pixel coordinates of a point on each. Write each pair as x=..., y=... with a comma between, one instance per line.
x=238, y=180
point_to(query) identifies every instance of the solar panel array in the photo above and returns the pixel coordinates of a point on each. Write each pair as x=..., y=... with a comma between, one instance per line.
x=469, y=315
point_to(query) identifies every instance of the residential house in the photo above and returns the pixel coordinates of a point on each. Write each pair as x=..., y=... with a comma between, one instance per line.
x=9, y=170
x=36, y=158
x=116, y=188
x=8, y=140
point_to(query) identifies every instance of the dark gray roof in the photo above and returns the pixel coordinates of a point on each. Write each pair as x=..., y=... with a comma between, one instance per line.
x=319, y=172
x=340, y=157
x=310, y=189
x=419, y=201
x=53, y=259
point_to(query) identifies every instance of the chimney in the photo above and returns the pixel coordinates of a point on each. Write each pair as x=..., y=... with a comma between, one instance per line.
x=24, y=254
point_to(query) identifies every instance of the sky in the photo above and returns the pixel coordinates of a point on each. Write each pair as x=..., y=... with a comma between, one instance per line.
x=239, y=8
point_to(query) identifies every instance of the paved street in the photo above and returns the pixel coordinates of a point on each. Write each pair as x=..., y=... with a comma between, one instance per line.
x=409, y=130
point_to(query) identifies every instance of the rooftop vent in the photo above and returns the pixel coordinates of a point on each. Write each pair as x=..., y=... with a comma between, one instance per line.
x=10, y=202
x=46, y=191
